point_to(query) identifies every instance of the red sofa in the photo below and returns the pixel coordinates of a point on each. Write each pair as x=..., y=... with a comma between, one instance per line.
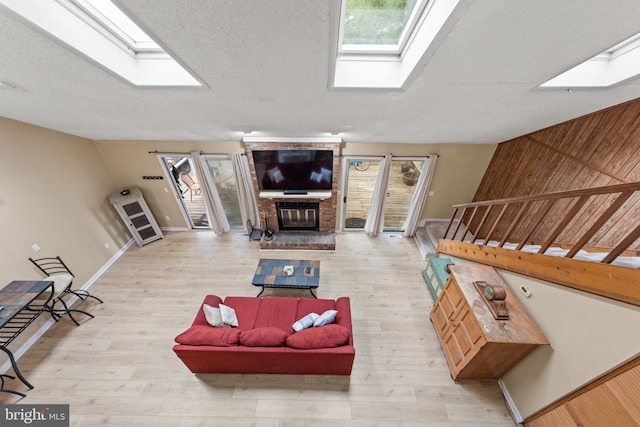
x=256, y=315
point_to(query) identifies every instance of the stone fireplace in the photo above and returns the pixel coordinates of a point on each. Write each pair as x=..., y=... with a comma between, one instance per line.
x=296, y=232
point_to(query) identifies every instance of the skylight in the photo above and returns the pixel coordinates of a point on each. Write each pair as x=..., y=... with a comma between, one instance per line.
x=614, y=65
x=105, y=34
x=380, y=43
x=378, y=26
x=119, y=24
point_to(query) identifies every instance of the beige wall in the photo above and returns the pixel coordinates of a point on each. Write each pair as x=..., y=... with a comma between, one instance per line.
x=54, y=193
x=129, y=161
x=458, y=172
x=589, y=336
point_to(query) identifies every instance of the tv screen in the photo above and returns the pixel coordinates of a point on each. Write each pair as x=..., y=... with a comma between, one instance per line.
x=303, y=170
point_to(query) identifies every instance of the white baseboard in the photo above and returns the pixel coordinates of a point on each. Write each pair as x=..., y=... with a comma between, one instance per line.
x=175, y=229
x=510, y=403
x=422, y=222
x=32, y=339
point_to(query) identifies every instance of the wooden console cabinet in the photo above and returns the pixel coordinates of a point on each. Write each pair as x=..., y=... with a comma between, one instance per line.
x=475, y=344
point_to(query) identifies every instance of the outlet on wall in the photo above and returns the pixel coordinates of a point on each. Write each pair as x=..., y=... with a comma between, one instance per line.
x=525, y=291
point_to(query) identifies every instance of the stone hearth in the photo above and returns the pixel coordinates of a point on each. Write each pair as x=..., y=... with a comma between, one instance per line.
x=303, y=240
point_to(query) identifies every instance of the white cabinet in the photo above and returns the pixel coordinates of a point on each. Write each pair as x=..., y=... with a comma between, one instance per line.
x=136, y=215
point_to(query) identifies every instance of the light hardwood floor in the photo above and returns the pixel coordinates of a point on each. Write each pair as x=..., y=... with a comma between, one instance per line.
x=119, y=370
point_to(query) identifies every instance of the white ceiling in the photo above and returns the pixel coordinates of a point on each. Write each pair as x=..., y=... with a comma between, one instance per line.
x=267, y=64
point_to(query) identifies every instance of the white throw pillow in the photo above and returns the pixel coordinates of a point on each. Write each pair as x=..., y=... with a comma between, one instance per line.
x=325, y=318
x=228, y=315
x=213, y=316
x=305, y=322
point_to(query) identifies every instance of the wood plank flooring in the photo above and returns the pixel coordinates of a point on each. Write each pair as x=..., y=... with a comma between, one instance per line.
x=119, y=370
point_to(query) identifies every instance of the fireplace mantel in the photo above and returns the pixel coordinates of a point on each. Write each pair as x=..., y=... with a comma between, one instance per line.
x=322, y=195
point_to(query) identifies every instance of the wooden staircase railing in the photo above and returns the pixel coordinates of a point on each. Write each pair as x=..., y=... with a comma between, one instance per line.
x=544, y=220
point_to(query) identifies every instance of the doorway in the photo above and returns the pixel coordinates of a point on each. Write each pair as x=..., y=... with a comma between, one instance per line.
x=360, y=177
x=359, y=182
x=181, y=169
x=403, y=179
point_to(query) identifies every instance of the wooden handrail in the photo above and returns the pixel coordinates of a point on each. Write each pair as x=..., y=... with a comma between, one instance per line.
x=532, y=223
x=566, y=194
x=579, y=218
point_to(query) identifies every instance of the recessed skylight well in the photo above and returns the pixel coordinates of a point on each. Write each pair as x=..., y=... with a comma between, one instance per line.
x=101, y=31
x=616, y=64
x=381, y=42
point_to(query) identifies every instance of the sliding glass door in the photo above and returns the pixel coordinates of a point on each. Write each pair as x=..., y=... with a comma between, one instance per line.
x=403, y=178
x=360, y=178
x=221, y=172
x=360, y=175
x=187, y=188
x=186, y=183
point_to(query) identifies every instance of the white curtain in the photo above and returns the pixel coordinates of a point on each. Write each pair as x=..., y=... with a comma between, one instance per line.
x=215, y=212
x=375, y=218
x=246, y=195
x=420, y=195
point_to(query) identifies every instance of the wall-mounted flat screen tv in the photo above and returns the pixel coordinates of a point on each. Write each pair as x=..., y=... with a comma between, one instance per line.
x=300, y=170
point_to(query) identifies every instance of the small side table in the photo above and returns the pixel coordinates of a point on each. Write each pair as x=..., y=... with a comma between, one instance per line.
x=19, y=309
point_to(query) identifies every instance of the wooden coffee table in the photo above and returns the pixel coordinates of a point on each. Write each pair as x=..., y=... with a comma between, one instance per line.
x=270, y=274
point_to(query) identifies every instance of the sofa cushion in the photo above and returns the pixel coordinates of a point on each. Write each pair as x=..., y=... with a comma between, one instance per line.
x=207, y=335
x=313, y=305
x=324, y=337
x=268, y=336
x=325, y=318
x=277, y=311
x=246, y=309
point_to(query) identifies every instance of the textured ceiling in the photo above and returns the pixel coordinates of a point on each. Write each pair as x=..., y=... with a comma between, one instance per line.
x=267, y=66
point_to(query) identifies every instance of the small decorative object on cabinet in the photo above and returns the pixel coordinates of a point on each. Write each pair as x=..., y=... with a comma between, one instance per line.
x=436, y=275
x=136, y=215
x=476, y=345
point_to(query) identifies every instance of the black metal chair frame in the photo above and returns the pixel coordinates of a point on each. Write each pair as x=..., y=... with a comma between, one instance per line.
x=51, y=266
x=254, y=233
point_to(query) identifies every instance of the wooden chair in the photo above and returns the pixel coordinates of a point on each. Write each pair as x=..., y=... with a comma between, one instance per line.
x=57, y=271
x=194, y=187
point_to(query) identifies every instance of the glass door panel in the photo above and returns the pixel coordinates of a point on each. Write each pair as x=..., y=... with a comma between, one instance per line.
x=403, y=178
x=186, y=185
x=361, y=175
x=222, y=175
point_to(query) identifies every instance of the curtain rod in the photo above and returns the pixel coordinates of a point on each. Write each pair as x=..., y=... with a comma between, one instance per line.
x=172, y=153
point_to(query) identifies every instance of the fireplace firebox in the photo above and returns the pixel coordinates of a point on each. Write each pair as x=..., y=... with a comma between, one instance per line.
x=298, y=215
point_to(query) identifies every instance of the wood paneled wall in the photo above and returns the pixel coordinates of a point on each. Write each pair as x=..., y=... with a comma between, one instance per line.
x=609, y=401
x=599, y=149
